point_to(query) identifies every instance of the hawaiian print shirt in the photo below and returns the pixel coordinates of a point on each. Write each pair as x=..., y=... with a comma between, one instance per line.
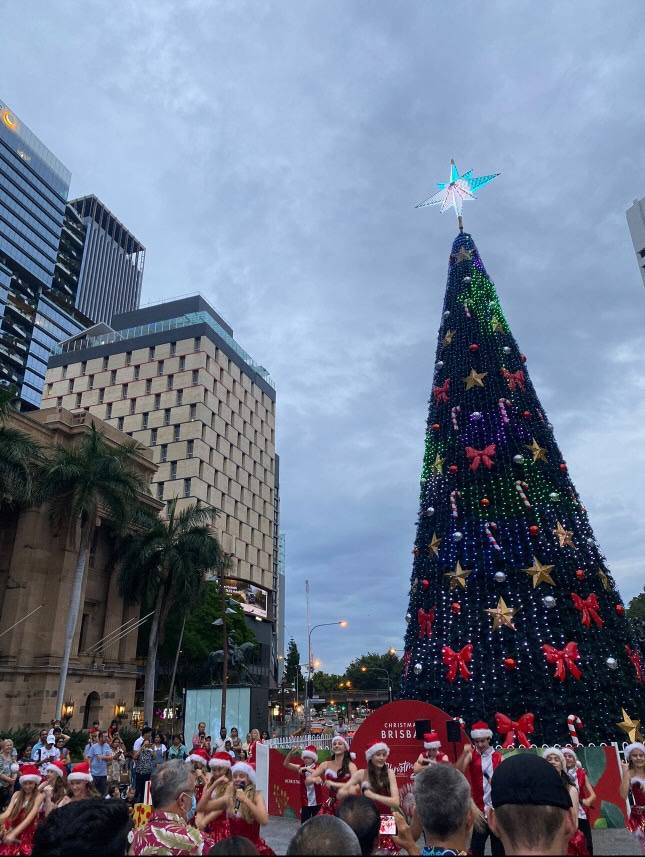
x=168, y=833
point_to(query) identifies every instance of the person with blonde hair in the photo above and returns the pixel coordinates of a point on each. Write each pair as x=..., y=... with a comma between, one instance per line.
x=19, y=821
x=217, y=798
x=633, y=784
x=54, y=787
x=248, y=812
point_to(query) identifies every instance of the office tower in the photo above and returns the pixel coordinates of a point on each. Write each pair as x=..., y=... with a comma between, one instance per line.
x=636, y=223
x=36, y=305
x=174, y=378
x=112, y=263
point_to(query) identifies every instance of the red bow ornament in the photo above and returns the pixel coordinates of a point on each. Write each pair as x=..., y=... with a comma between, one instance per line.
x=515, y=730
x=564, y=659
x=481, y=456
x=635, y=660
x=514, y=379
x=441, y=393
x=456, y=662
x=425, y=619
x=589, y=608
x=407, y=657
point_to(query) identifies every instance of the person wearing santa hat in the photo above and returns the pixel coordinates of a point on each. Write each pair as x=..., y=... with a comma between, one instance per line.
x=577, y=846
x=80, y=784
x=54, y=787
x=432, y=755
x=19, y=821
x=477, y=762
x=198, y=759
x=633, y=782
x=333, y=774
x=586, y=793
x=248, y=812
x=217, y=797
x=310, y=793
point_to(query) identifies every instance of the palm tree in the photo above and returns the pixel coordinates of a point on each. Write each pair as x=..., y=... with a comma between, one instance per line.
x=164, y=565
x=79, y=483
x=20, y=458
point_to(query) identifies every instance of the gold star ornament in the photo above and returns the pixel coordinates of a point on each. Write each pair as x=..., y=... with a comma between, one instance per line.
x=630, y=727
x=498, y=327
x=437, y=465
x=538, y=452
x=540, y=573
x=435, y=544
x=604, y=580
x=475, y=379
x=463, y=255
x=502, y=615
x=457, y=577
x=450, y=335
x=565, y=537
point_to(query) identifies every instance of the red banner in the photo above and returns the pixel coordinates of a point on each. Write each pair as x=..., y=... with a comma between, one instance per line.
x=284, y=786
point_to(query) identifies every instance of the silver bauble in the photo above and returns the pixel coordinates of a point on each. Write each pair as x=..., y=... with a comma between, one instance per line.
x=408, y=617
x=430, y=510
x=612, y=663
x=500, y=577
x=439, y=364
x=554, y=496
x=446, y=313
x=457, y=536
x=418, y=669
x=466, y=279
x=476, y=415
x=549, y=601
x=518, y=459
x=506, y=349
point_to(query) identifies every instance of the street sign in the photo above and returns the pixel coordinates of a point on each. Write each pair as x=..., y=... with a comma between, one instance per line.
x=317, y=701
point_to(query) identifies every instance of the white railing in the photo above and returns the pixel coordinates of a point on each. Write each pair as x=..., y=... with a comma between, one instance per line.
x=322, y=742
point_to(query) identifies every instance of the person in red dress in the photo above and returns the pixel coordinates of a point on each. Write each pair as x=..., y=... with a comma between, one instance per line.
x=249, y=812
x=432, y=755
x=333, y=774
x=212, y=809
x=20, y=819
x=198, y=759
x=577, y=846
x=477, y=762
x=586, y=794
x=310, y=792
x=633, y=783
x=256, y=738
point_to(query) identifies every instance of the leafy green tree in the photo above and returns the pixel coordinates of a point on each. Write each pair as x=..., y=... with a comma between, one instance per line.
x=21, y=459
x=326, y=685
x=78, y=482
x=292, y=665
x=636, y=608
x=372, y=671
x=164, y=565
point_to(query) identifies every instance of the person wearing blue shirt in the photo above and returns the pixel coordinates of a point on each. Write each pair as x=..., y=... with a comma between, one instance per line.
x=39, y=747
x=98, y=755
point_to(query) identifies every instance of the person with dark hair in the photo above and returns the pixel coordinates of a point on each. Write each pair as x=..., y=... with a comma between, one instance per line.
x=98, y=755
x=89, y=827
x=555, y=756
x=310, y=793
x=478, y=762
x=333, y=773
x=325, y=834
x=586, y=794
x=531, y=807
x=361, y=814
x=236, y=845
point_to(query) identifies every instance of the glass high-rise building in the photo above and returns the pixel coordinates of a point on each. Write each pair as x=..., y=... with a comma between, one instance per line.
x=36, y=301
x=636, y=223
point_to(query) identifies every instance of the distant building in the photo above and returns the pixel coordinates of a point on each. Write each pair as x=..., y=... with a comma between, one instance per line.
x=111, y=269
x=636, y=223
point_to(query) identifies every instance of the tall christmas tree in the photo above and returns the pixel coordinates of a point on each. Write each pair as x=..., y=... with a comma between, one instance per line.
x=512, y=607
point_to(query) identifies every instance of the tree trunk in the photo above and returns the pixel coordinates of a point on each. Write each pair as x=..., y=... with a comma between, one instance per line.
x=151, y=663
x=171, y=691
x=72, y=613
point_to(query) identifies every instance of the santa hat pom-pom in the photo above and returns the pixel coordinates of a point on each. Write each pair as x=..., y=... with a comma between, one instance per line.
x=352, y=756
x=330, y=775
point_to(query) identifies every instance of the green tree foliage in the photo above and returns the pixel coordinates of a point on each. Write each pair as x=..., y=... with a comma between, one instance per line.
x=326, y=685
x=292, y=665
x=371, y=671
x=21, y=459
x=636, y=609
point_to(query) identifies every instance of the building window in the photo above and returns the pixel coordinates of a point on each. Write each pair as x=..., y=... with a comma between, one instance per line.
x=153, y=433
x=119, y=424
x=170, y=382
x=166, y=417
x=101, y=395
x=128, y=358
x=189, y=448
x=82, y=637
x=113, y=376
x=149, y=385
x=186, y=487
x=124, y=391
x=105, y=363
x=59, y=402
x=173, y=349
x=83, y=367
x=108, y=411
x=163, y=453
x=64, y=375
x=193, y=411
x=173, y=469
x=180, y=396
x=144, y=421
x=157, y=401
x=160, y=367
x=151, y=352
x=90, y=383
x=197, y=343
x=182, y=363
x=70, y=385
x=136, y=372
x=78, y=400
x=159, y=490
x=177, y=432
x=195, y=376
x=133, y=404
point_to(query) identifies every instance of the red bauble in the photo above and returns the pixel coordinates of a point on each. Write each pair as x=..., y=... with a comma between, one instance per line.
x=453, y=469
x=473, y=347
x=526, y=415
x=510, y=664
x=534, y=530
x=563, y=467
x=620, y=609
x=484, y=502
x=455, y=607
x=435, y=426
x=580, y=574
x=425, y=584
x=523, y=358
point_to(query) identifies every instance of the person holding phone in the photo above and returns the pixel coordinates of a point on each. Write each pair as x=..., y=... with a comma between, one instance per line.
x=432, y=755
x=478, y=764
x=310, y=792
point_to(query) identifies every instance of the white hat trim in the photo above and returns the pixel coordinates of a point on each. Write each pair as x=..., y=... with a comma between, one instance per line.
x=243, y=768
x=218, y=763
x=554, y=751
x=79, y=777
x=340, y=738
x=432, y=745
x=629, y=749
x=29, y=778
x=195, y=758
x=376, y=748
x=55, y=769
x=481, y=733
x=309, y=754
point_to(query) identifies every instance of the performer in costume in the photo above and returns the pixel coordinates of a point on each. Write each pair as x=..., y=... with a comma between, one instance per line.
x=378, y=783
x=256, y=738
x=54, y=788
x=217, y=798
x=633, y=783
x=586, y=794
x=81, y=784
x=249, y=811
x=310, y=792
x=199, y=760
x=478, y=764
x=577, y=843
x=333, y=774
x=20, y=819
x=433, y=754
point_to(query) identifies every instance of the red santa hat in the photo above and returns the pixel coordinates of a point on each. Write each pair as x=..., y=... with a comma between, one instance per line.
x=480, y=729
x=220, y=760
x=80, y=773
x=310, y=752
x=199, y=756
x=58, y=767
x=629, y=749
x=29, y=774
x=431, y=741
x=377, y=747
x=245, y=768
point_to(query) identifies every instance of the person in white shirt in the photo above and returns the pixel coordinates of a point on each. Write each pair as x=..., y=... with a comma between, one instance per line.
x=221, y=741
x=51, y=753
x=146, y=734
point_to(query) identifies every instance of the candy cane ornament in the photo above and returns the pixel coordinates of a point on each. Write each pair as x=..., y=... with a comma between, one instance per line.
x=522, y=488
x=502, y=409
x=453, y=503
x=467, y=310
x=453, y=416
x=574, y=721
x=488, y=526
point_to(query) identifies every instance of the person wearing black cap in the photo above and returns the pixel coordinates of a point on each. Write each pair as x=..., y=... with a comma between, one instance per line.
x=532, y=811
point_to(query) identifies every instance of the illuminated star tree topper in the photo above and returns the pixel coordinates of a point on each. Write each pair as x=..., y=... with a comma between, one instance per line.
x=456, y=191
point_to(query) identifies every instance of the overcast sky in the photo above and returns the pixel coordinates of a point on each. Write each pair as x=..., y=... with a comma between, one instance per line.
x=269, y=155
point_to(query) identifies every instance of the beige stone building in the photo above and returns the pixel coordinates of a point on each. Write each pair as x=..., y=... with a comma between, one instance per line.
x=36, y=571
x=173, y=377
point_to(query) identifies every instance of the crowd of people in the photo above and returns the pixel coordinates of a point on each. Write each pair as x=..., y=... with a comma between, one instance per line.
x=205, y=799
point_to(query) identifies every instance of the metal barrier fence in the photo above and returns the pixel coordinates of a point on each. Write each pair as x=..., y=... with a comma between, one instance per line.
x=322, y=742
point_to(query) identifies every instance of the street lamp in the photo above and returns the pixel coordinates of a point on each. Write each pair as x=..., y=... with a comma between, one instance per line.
x=341, y=623
x=387, y=675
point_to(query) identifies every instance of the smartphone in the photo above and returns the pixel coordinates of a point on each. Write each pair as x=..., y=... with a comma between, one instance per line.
x=388, y=825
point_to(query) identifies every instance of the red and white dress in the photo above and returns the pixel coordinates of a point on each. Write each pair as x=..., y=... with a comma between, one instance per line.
x=251, y=830
x=25, y=840
x=386, y=844
x=311, y=794
x=220, y=827
x=329, y=805
x=480, y=772
x=636, y=821
x=440, y=758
